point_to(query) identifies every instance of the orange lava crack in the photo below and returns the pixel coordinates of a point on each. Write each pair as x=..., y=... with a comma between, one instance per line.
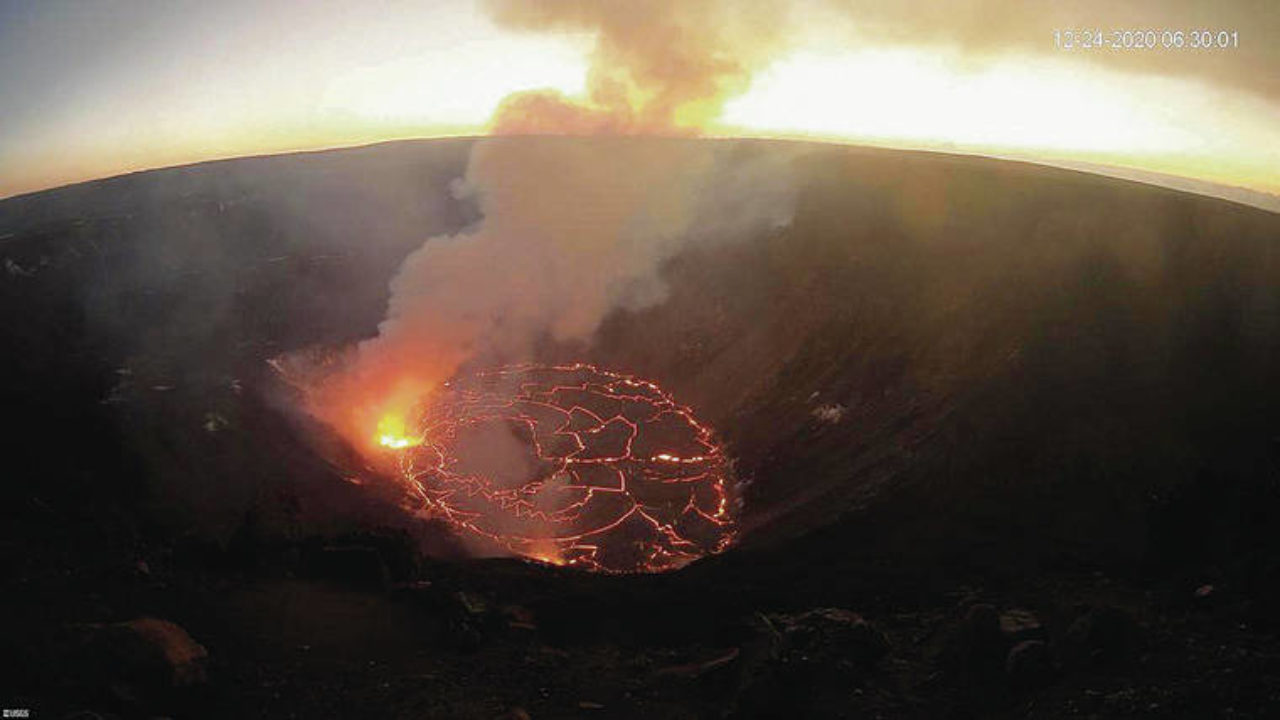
x=571, y=465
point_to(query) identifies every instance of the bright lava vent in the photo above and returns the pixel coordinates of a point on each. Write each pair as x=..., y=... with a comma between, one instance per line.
x=571, y=465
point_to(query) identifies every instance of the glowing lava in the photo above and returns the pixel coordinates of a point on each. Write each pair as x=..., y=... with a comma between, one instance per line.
x=569, y=465
x=392, y=434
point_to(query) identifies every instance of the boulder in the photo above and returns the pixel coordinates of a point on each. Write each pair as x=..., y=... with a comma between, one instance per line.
x=1028, y=664
x=149, y=651
x=978, y=644
x=832, y=633
x=1018, y=625
x=798, y=663
x=145, y=662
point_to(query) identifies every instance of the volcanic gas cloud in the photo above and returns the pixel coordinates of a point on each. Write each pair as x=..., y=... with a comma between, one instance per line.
x=570, y=468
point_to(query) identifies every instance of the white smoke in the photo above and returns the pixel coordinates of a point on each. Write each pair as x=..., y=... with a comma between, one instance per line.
x=572, y=229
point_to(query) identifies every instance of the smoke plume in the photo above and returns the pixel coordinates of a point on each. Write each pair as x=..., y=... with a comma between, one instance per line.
x=573, y=229
x=658, y=66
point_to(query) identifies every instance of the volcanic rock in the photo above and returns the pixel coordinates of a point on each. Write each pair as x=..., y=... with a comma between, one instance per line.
x=1101, y=636
x=1018, y=625
x=518, y=617
x=145, y=661
x=1204, y=597
x=153, y=651
x=831, y=634
x=1028, y=664
x=698, y=669
x=978, y=642
x=794, y=659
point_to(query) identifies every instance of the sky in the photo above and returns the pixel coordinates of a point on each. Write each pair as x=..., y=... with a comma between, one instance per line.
x=93, y=88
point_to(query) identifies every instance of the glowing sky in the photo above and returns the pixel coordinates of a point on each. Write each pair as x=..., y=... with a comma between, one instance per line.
x=92, y=89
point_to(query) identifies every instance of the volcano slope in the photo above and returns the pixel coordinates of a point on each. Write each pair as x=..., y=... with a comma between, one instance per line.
x=950, y=382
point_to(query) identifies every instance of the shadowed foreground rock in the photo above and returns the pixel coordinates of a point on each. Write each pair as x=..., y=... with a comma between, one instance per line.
x=143, y=663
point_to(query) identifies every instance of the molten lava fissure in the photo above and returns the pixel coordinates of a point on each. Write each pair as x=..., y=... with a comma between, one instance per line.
x=570, y=465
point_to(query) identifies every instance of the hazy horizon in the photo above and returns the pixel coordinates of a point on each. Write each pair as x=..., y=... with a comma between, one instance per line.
x=108, y=88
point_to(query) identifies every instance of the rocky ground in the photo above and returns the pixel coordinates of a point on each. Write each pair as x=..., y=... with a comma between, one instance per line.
x=358, y=626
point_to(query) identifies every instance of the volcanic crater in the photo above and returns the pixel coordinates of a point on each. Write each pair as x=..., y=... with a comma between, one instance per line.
x=950, y=382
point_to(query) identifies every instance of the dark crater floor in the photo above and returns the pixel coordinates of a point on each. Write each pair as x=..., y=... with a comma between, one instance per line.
x=1009, y=435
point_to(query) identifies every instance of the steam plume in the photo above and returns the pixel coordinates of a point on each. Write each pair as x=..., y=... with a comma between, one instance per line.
x=573, y=229
x=659, y=66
